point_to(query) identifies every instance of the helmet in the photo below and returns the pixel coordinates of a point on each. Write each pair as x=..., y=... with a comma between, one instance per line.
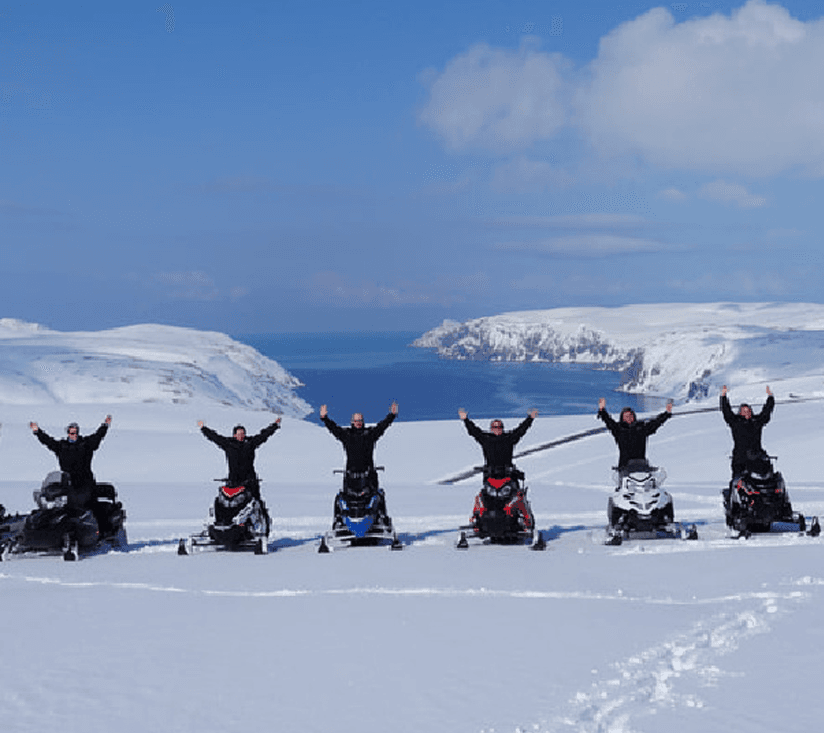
x=73, y=426
x=496, y=421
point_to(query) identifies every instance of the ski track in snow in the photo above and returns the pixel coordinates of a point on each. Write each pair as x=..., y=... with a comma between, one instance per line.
x=766, y=597
x=649, y=681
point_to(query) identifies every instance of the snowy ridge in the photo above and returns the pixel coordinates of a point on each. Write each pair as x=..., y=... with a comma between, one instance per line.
x=685, y=351
x=143, y=363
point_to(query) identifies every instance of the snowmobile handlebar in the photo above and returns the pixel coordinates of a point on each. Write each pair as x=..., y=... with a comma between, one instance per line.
x=344, y=471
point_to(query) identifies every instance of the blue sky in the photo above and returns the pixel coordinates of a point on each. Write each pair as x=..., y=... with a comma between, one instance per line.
x=299, y=166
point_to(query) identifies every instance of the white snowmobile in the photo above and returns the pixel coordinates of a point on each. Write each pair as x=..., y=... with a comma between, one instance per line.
x=639, y=508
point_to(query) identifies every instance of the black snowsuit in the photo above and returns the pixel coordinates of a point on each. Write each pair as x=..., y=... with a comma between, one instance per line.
x=498, y=448
x=75, y=459
x=746, y=433
x=632, y=437
x=240, y=455
x=359, y=443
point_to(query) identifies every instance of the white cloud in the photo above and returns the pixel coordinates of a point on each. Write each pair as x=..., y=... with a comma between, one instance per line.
x=573, y=221
x=781, y=233
x=523, y=174
x=740, y=285
x=333, y=288
x=194, y=285
x=672, y=194
x=736, y=94
x=497, y=100
x=730, y=193
x=586, y=245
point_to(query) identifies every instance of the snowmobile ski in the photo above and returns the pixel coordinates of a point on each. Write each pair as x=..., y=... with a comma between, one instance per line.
x=340, y=537
x=468, y=532
x=617, y=535
x=797, y=525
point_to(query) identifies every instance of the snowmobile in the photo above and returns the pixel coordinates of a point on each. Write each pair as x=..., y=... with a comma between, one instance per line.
x=54, y=526
x=238, y=520
x=502, y=514
x=757, y=501
x=639, y=508
x=10, y=526
x=360, y=516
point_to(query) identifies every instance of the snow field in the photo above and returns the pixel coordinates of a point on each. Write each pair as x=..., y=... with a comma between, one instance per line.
x=712, y=635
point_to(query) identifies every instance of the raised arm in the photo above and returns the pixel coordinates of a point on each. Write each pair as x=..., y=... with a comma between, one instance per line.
x=650, y=426
x=472, y=428
x=209, y=434
x=724, y=403
x=330, y=424
x=520, y=431
x=612, y=426
x=44, y=437
x=380, y=428
x=97, y=436
x=264, y=434
x=763, y=417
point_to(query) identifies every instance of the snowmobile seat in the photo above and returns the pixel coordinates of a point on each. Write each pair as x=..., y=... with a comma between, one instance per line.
x=360, y=482
x=636, y=465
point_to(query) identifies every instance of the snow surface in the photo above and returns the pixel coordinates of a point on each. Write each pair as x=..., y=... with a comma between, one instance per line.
x=713, y=635
x=144, y=363
x=682, y=350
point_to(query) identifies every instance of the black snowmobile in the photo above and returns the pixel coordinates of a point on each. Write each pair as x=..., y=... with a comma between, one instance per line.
x=238, y=520
x=11, y=525
x=502, y=514
x=757, y=501
x=639, y=508
x=360, y=516
x=55, y=526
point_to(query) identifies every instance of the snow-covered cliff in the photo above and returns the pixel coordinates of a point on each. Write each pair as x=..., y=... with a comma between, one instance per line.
x=683, y=350
x=145, y=363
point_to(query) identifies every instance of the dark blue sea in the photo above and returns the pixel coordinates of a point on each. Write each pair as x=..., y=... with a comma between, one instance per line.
x=365, y=372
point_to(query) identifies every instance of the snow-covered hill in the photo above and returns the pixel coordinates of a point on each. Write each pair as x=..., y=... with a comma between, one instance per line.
x=139, y=364
x=682, y=350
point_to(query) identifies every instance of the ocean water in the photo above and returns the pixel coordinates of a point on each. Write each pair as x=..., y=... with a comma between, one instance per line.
x=365, y=372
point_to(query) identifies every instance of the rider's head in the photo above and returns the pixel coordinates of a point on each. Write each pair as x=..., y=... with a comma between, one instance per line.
x=239, y=433
x=73, y=431
x=745, y=411
x=496, y=426
x=628, y=415
x=357, y=420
